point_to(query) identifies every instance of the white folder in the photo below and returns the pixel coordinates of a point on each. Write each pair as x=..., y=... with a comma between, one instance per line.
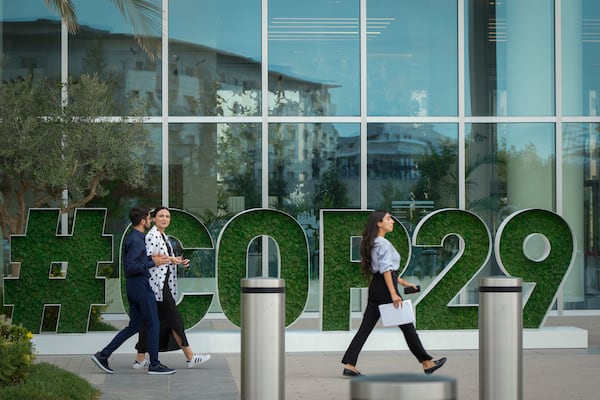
x=397, y=316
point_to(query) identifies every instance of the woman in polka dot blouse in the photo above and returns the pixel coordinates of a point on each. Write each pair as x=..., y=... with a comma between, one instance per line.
x=163, y=281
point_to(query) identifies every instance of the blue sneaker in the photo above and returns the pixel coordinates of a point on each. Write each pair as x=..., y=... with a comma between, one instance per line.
x=102, y=363
x=160, y=369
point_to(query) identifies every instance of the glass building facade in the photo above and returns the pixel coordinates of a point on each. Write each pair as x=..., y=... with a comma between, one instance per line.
x=488, y=106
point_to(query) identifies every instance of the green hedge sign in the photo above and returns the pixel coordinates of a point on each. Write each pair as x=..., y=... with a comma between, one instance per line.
x=80, y=254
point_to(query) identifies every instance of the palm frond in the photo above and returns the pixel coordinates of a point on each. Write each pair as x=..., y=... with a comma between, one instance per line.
x=145, y=16
x=66, y=10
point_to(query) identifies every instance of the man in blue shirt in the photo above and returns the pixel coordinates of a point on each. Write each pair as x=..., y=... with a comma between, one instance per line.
x=142, y=305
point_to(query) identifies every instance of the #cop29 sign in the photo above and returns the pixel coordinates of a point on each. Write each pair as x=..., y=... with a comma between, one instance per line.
x=87, y=247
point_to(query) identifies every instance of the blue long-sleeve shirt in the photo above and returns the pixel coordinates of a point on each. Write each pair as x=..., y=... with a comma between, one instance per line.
x=384, y=256
x=135, y=260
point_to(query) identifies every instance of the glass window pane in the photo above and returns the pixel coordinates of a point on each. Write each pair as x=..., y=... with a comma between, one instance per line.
x=215, y=57
x=314, y=59
x=148, y=196
x=509, y=167
x=581, y=199
x=314, y=166
x=104, y=45
x=120, y=197
x=214, y=169
x=412, y=168
x=580, y=57
x=509, y=53
x=21, y=56
x=412, y=58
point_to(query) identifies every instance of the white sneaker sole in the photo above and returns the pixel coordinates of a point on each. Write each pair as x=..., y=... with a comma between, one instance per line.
x=195, y=365
x=161, y=372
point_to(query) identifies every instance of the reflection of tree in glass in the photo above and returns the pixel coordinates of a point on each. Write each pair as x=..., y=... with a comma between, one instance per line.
x=278, y=183
x=236, y=165
x=388, y=193
x=437, y=180
x=490, y=165
x=330, y=191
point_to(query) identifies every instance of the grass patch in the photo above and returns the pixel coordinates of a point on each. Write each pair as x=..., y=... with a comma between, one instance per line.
x=48, y=382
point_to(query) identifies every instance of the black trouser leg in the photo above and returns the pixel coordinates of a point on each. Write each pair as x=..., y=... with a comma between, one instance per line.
x=369, y=321
x=414, y=342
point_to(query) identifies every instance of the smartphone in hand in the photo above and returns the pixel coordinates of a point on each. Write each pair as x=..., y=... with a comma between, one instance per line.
x=410, y=289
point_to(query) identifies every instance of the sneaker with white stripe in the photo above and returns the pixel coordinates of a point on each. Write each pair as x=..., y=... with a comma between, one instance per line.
x=140, y=365
x=198, y=359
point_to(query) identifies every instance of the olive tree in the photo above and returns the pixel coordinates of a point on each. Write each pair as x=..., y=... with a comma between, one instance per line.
x=49, y=147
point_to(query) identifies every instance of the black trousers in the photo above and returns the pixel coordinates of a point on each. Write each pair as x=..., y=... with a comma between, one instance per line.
x=170, y=320
x=379, y=294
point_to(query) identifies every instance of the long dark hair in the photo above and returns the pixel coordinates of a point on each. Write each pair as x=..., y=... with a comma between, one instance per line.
x=369, y=234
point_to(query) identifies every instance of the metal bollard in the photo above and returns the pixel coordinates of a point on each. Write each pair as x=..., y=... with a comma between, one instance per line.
x=500, y=338
x=263, y=339
x=403, y=386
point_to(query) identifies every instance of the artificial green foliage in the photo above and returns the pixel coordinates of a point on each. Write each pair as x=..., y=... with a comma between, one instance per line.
x=193, y=235
x=547, y=274
x=5, y=311
x=193, y=307
x=79, y=289
x=16, y=352
x=340, y=274
x=433, y=310
x=189, y=230
x=232, y=259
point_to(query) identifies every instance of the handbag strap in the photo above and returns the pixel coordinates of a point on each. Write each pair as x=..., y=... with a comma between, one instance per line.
x=169, y=248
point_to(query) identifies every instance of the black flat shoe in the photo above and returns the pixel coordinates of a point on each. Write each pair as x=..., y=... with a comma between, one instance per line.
x=438, y=364
x=349, y=372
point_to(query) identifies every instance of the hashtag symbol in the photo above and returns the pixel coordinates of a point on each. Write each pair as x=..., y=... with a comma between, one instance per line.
x=40, y=248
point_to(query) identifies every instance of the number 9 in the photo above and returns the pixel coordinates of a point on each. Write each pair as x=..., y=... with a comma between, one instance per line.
x=547, y=271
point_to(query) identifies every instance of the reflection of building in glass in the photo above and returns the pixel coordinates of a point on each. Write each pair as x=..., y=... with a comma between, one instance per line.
x=28, y=47
x=395, y=151
x=201, y=81
x=299, y=155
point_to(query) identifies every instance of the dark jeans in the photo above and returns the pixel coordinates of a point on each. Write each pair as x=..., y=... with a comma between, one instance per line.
x=142, y=308
x=379, y=294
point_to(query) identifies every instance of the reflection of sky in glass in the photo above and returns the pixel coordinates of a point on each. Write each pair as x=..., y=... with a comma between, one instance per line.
x=101, y=14
x=231, y=26
x=310, y=26
x=25, y=10
x=347, y=130
x=411, y=64
x=521, y=137
x=318, y=41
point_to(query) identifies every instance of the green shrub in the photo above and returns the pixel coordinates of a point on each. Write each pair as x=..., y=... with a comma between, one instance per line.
x=16, y=352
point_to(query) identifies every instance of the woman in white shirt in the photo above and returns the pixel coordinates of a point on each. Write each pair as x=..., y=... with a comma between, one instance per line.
x=380, y=262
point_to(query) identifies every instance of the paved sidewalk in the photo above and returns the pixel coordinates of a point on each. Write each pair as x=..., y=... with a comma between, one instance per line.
x=548, y=374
